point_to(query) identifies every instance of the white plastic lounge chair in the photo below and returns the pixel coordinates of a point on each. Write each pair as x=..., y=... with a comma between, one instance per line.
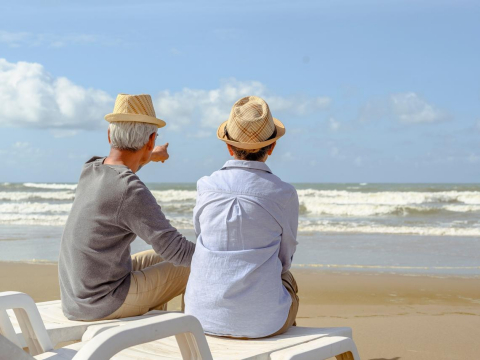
x=59, y=328
x=186, y=329
x=153, y=338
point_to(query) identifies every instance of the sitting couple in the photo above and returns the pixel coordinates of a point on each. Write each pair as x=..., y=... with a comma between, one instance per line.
x=236, y=278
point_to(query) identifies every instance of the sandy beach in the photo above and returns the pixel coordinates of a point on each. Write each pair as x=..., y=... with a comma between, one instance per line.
x=393, y=316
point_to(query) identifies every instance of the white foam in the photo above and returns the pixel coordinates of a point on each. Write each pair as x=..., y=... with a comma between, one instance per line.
x=182, y=223
x=362, y=209
x=31, y=208
x=310, y=197
x=356, y=228
x=23, y=196
x=165, y=196
x=51, y=186
x=33, y=219
x=462, y=208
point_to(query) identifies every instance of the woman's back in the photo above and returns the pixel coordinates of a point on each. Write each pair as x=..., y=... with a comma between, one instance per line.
x=246, y=220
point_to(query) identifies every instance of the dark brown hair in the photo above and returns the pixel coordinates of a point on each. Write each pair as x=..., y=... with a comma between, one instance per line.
x=251, y=155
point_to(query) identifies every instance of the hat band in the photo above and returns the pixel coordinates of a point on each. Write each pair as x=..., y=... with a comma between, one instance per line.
x=274, y=134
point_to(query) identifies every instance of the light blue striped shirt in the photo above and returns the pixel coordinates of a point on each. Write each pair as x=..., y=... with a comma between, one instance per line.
x=246, y=222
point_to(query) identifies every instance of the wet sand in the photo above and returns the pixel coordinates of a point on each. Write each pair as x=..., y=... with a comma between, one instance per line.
x=393, y=316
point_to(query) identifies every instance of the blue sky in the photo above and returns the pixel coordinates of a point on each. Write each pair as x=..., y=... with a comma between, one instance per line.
x=369, y=91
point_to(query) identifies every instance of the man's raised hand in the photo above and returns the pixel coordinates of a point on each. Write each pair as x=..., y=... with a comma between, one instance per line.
x=160, y=153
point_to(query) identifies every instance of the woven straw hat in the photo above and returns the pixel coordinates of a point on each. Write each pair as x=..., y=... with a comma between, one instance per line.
x=135, y=108
x=250, y=125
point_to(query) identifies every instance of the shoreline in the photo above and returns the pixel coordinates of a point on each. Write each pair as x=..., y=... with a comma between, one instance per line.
x=367, y=270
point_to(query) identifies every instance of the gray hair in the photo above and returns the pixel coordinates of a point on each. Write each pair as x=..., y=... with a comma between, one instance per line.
x=132, y=136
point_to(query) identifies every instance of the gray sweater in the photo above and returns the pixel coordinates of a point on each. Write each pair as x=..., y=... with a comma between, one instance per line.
x=111, y=208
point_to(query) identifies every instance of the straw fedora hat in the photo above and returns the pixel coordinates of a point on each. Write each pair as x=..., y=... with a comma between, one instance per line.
x=250, y=125
x=135, y=108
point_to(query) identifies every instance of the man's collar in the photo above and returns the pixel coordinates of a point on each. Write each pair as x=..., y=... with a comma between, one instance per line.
x=256, y=165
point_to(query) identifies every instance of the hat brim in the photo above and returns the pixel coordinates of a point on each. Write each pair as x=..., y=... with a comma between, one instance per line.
x=251, y=146
x=135, y=118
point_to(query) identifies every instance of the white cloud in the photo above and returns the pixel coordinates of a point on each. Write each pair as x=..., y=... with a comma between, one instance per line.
x=408, y=108
x=334, y=152
x=478, y=124
x=63, y=133
x=200, y=134
x=473, y=158
x=23, y=149
x=208, y=108
x=21, y=145
x=358, y=161
x=334, y=124
x=19, y=39
x=31, y=97
x=288, y=156
x=227, y=33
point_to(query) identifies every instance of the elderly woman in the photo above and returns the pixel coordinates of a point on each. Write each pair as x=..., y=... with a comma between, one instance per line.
x=246, y=222
x=98, y=277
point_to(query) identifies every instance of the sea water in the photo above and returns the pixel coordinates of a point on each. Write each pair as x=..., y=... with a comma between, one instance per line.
x=406, y=228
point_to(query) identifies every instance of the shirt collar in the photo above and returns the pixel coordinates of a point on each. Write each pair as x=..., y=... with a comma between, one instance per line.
x=255, y=165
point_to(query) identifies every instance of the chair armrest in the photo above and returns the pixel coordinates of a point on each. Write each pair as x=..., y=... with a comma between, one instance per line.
x=29, y=319
x=94, y=329
x=110, y=342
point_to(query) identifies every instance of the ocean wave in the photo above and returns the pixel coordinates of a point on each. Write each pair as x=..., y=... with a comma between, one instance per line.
x=366, y=210
x=23, y=196
x=354, y=228
x=30, y=208
x=181, y=223
x=305, y=226
x=51, y=186
x=166, y=196
x=462, y=208
x=342, y=197
x=33, y=219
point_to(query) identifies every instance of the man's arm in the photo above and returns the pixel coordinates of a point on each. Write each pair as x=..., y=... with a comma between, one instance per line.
x=289, y=242
x=141, y=214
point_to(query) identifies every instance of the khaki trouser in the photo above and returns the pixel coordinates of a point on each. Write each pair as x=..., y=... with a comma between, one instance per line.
x=291, y=285
x=153, y=283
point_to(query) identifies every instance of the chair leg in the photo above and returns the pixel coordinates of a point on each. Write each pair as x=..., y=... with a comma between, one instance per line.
x=6, y=328
x=33, y=345
x=188, y=346
x=29, y=319
x=345, y=356
x=342, y=348
x=184, y=346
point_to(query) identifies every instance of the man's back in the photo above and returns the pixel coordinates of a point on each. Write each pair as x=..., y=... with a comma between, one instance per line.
x=246, y=220
x=112, y=206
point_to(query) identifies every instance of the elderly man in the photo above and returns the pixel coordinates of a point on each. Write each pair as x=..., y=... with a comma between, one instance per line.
x=246, y=222
x=98, y=277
